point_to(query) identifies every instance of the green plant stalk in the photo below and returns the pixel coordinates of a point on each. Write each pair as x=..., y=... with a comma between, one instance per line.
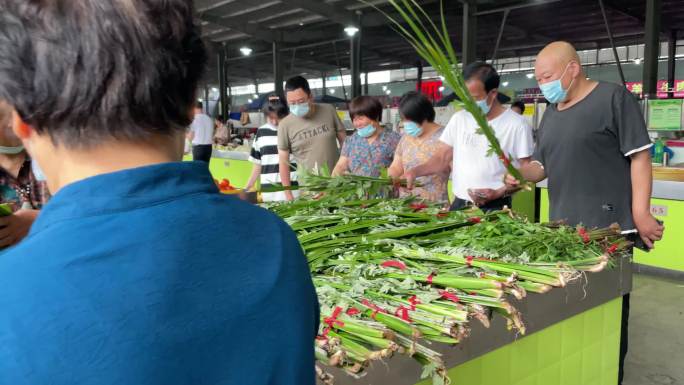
x=452, y=281
x=357, y=328
x=439, y=53
x=526, y=272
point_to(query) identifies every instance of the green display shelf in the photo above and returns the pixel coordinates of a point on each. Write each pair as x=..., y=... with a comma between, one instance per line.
x=668, y=253
x=583, y=349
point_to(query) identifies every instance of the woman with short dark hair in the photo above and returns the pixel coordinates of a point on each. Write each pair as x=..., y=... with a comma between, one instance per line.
x=371, y=148
x=138, y=271
x=20, y=188
x=264, y=154
x=417, y=145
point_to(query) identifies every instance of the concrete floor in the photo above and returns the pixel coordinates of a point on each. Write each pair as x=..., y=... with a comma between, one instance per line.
x=656, y=333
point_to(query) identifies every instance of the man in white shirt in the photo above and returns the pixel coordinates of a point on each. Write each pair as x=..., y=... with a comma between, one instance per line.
x=202, y=135
x=478, y=177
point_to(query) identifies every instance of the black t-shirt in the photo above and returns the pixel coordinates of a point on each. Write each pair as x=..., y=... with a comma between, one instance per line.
x=585, y=151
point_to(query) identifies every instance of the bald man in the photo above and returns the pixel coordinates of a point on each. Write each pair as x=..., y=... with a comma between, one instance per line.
x=594, y=149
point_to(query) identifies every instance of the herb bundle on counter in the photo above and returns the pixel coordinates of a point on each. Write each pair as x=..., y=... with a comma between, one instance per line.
x=395, y=276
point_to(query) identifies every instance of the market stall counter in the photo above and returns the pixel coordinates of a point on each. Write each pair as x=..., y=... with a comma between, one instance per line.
x=667, y=204
x=230, y=164
x=572, y=337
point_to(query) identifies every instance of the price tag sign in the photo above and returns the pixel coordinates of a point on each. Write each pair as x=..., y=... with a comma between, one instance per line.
x=659, y=210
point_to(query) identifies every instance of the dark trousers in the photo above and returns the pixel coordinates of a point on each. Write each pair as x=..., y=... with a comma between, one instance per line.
x=624, y=337
x=494, y=205
x=202, y=152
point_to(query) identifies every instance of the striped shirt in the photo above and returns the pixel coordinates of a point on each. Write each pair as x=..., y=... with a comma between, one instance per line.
x=265, y=153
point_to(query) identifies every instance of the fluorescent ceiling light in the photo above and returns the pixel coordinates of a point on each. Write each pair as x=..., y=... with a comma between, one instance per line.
x=351, y=31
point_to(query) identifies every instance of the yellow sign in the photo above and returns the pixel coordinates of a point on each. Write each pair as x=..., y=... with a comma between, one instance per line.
x=529, y=110
x=343, y=115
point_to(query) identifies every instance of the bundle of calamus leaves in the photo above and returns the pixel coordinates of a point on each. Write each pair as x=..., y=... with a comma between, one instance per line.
x=396, y=276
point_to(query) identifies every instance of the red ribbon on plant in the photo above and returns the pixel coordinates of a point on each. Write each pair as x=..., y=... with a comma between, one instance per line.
x=418, y=206
x=402, y=312
x=332, y=320
x=413, y=301
x=376, y=308
x=429, y=278
x=442, y=214
x=612, y=249
x=324, y=336
x=505, y=160
x=583, y=234
x=475, y=220
x=449, y=296
x=353, y=311
x=396, y=264
x=469, y=260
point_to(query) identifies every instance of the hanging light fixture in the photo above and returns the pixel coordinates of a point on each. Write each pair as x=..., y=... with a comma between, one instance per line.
x=351, y=31
x=246, y=51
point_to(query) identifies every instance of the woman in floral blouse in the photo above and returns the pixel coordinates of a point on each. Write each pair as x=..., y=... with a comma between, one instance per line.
x=371, y=148
x=419, y=143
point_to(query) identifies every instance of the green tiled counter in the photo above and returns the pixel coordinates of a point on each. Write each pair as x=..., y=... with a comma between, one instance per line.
x=573, y=338
x=580, y=350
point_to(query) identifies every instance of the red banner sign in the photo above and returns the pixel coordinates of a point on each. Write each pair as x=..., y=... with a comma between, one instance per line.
x=431, y=89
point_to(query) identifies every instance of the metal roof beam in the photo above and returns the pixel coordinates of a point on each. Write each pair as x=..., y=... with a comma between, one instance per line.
x=334, y=13
x=254, y=30
x=621, y=9
x=524, y=4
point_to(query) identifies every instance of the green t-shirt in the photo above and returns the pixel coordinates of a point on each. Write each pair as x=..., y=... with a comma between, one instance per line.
x=312, y=140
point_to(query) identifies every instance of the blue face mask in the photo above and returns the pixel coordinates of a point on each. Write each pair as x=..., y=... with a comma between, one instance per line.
x=554, y=91
x=299, y=110
x=484, y=106
x=37, y=171
x=412, y=129
x=366, y=131
x=11, y=150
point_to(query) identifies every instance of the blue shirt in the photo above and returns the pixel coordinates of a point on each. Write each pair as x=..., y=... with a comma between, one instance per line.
x=150, y=276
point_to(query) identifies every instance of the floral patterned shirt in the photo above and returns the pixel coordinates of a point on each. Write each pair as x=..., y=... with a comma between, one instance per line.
x=416, y=151
x=368, y=159
x=25, y=190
